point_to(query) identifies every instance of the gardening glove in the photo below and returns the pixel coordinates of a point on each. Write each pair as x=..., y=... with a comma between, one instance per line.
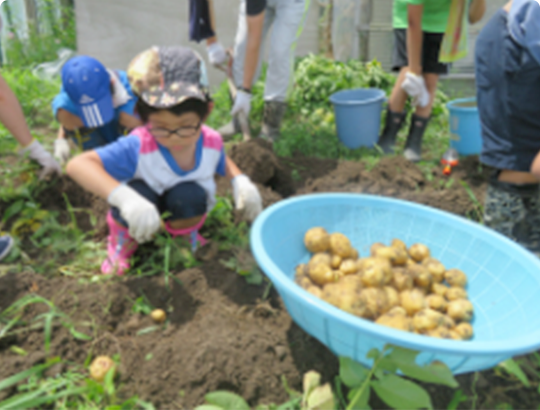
x=61, y=150
x=141, y=215
x=216, y=54
x=246, y=197
x=36, y=152
x=415, y=86
x=241, y=103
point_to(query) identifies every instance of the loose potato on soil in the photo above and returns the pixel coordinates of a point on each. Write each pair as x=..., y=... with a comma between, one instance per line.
x=455, y=277
x=455, y=293
x=412, y=301
x=321, y=274
x=460, y=310
x=401, y=280
x=100, y=367
x=419, y=252
x=399, y=244
x=317, y=240
x=348, y=267
x=427, y=319
x=464, y=330
x=436, y=302
x=340, y=245
x=436, y=269
x=439, y=289
x=158, y=315
x=335, y=261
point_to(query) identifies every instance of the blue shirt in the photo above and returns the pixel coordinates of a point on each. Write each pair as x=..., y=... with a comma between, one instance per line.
x=524, y=25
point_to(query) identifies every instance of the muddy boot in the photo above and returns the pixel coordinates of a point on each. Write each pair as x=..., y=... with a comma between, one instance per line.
x=413, y=147
x=393, y=123
x=272, y=117
x=231, y=129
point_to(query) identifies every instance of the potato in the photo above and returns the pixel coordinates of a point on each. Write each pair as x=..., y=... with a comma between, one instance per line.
x=322, y=257
x=354, y=255
x=460, y=310
x=301, y=270
x=401, y=257
x=448, y=322
x=100, y=367
x=375, y=301
x=421, y=276
x=396, y=256
x=158, y=315
x=439, y=289
x=340, y=245
x=345, y=298
x=412, y=301
x=399, y=244
x=351, y=281
x=455, y=293
x=439, y=332
x=436, y=269
x=427, y=319
x=317, y=240
x=380, y=263
x=397, y=311
x=419, y=252
x=348, y=267
x=321, y=274
x=410, y=262
x=374, y=247
x=315, y=291
x=455, y=277
x=332, y=293
x=464, y=330
x=335, y=261
x=304, y=282
x=436, y=302
x=400, y=322
x=392, y=297
x=454, y=335
x=401, y=280
x=372, y=276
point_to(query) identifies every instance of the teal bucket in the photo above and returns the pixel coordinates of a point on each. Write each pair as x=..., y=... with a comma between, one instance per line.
x=465, y=132
x=358, y=116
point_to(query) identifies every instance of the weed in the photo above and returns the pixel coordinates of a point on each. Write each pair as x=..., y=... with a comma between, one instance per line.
x=458, y=398
x=477, y=213
x=243, y=263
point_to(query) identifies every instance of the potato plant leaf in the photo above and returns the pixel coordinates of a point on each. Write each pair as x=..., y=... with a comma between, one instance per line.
x=513, y=368
x=399, y=393
x=352, y=373
x=226, y=400
x=359, y=402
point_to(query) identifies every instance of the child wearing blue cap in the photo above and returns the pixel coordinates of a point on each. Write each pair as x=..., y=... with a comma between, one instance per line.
x=507, y=61
x=166, y=166
x=94, y=107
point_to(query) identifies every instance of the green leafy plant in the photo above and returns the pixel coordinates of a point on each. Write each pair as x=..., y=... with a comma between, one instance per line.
x=243, y=263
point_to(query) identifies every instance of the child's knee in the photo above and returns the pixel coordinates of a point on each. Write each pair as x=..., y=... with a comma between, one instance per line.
x=187, y=200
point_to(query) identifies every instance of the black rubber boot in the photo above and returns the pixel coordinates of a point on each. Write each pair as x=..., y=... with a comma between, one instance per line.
x=272, y=118
x=413, y=146
x=393, y=123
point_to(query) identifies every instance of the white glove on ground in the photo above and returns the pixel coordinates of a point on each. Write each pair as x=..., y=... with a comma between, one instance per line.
x=141, y=215
x=36, y=152
x=216, y=54
x=246, y=197
x=61, y=150
x=241, y=103
x=415, y=86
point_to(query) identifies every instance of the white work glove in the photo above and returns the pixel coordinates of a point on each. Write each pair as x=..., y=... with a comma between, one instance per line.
x=36, y=152
x=246, y=197
x=61, y=150
x=141, y=215
x=415, y=86
x=241, y=103
x=216, y=54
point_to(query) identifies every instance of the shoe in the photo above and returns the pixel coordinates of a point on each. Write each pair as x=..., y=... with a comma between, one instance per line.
x=120, y=248
x=6, y=243
x=231, y=129
x=272, y=118
x=195, y=238
x=413, y=146
x=394, y=122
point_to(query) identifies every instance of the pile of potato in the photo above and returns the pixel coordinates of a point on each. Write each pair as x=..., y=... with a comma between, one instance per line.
x=401, y=288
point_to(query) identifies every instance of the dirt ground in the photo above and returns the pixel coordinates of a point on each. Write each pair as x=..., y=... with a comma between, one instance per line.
x=221, y=333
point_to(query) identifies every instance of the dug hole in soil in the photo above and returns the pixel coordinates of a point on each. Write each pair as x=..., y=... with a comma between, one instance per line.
x=220, y=334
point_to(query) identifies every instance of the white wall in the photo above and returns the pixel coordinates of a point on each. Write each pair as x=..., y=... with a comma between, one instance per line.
x=114, y=31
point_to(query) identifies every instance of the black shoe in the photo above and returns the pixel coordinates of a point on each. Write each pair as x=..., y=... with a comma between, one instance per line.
x=394, y=121
x=413, y=146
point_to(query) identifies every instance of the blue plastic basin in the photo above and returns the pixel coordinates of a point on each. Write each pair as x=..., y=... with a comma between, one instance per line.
x=358, y=116
x=504, y=278
x=465, y=130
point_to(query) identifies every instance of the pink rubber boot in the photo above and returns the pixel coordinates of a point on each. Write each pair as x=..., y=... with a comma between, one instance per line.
x=120, y=247
x=193, y=232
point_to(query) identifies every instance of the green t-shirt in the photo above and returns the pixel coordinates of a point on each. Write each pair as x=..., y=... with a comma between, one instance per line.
x=435, y=15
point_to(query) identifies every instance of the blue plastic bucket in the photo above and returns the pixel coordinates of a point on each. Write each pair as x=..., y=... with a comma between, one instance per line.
x=465, y=134
x=358, y=116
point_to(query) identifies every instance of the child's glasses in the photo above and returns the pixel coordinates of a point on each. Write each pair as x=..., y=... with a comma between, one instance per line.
x=182, y=132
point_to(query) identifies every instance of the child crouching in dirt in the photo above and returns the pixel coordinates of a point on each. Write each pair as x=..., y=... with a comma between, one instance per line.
x=167, y=165
x=508, y=92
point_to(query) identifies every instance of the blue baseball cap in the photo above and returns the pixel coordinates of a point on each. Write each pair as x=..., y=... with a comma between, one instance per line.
x=88, y=85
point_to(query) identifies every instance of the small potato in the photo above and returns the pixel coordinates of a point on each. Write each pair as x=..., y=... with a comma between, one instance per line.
x=410, y=262
x=348, y=267
x=412, y=301
x=315, y=291
x=335, y=261
x=386, y=252
x=399, y=244
x=351, y=281
x=332, y=293
x=448, y=322
x=392, y=297
x=436, y=302
x=454, y=335
x=419, y=252
x=380, y=263
x=344, y=298
x=374, y=248
x=436, y=269
x=401, y=280
x=317, y=240
x=158, y=315
x=321, y=274
x=397, y=322
x=455, y=277
x=373, y=276
x=375, y=301
x=360, y=263
x=304, y=282
x=427, y=319
x=455, y=293
x=340, y=245
x=439, y=332
x=100, y=367
x=421, y=276
x=301, y=270
x=397, y=311
x=354, y=255
x=322, y=257
x=464, y=330
x=439, y=289
x=337, y=274
x=401, y=257
x=460, y=310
